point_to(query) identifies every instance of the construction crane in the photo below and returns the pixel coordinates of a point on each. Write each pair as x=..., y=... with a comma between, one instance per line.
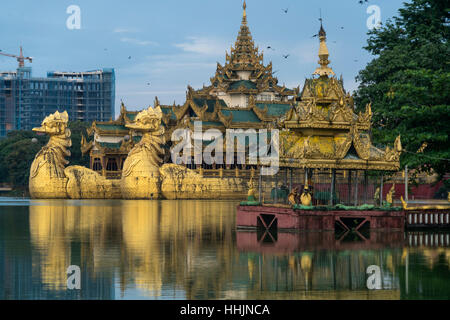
x=20, y=58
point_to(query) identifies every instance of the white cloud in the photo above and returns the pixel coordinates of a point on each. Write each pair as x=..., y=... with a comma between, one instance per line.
x=171, y=65
x=203, y=45
x=154, y=92
x=125, y=30
x=139, y=42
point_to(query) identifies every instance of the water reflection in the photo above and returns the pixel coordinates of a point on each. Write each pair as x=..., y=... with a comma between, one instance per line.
x=191, y=249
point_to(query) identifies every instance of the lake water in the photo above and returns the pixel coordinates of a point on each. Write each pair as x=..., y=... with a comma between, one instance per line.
x=192, y=250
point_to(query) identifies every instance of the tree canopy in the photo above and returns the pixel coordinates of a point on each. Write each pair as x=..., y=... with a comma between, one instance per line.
x=408, y=84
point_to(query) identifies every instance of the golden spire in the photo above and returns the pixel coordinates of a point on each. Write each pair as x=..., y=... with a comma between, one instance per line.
x=244, y=54
x=323, y=70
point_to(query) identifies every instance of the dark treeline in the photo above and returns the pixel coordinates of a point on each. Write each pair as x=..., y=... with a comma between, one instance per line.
x=408, y=83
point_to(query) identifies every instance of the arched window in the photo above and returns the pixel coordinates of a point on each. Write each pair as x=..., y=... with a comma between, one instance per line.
x=97, y=166
x=111, y=165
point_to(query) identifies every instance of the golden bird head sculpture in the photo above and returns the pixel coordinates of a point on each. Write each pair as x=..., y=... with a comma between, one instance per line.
x=147, y=120
x=54, y=124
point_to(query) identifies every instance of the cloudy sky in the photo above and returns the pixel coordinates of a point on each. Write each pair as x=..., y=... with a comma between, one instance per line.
x=157, y=48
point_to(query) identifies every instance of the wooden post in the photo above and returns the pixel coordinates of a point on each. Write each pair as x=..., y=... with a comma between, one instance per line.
x=333, y=182
x=381, y=191
x=260, y=186
x=366, y=182
x=276, y=189
x=356, y=187
x=103, y=166
x=407, y=271
x=285, y=176
x=406, y=183
x=290, y=182
x=349, y=186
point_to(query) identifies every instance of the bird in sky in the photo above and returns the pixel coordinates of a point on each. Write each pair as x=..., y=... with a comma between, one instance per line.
x=269, y=47
x=314, y=36
x=286, y=56
x=129, y=57
x=285, y=10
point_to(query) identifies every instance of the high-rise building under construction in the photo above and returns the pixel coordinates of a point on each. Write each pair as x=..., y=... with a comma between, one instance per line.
x=25, y=101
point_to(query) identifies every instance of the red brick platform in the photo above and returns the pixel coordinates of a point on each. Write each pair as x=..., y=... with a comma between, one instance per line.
x=284, y=218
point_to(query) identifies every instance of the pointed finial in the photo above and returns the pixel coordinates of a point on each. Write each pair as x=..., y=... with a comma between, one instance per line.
x=322, y=32
x=323, y=70
x=244, y=14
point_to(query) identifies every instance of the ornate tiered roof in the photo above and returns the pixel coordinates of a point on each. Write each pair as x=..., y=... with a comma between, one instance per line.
x=244, y=56
x=109, y=137
x=324, y=130
x=214, y=112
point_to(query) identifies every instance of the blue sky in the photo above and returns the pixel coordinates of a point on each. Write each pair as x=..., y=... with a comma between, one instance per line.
x=174, y=43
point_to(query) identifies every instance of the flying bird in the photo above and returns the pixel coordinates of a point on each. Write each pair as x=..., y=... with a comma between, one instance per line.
x=129, y=57
x=285, y=10
x=286, y=56
x=314, y=36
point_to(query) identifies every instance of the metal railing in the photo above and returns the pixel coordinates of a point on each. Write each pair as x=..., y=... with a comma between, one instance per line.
x=428, y=219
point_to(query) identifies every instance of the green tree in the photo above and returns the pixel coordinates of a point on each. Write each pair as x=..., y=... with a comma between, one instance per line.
x=77, y=129
x=408, y=83
x=17, y=152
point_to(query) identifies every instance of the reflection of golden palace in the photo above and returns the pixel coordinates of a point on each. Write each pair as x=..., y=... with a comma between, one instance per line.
x=52, y=224
x=50, y=179
x=140, y=229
